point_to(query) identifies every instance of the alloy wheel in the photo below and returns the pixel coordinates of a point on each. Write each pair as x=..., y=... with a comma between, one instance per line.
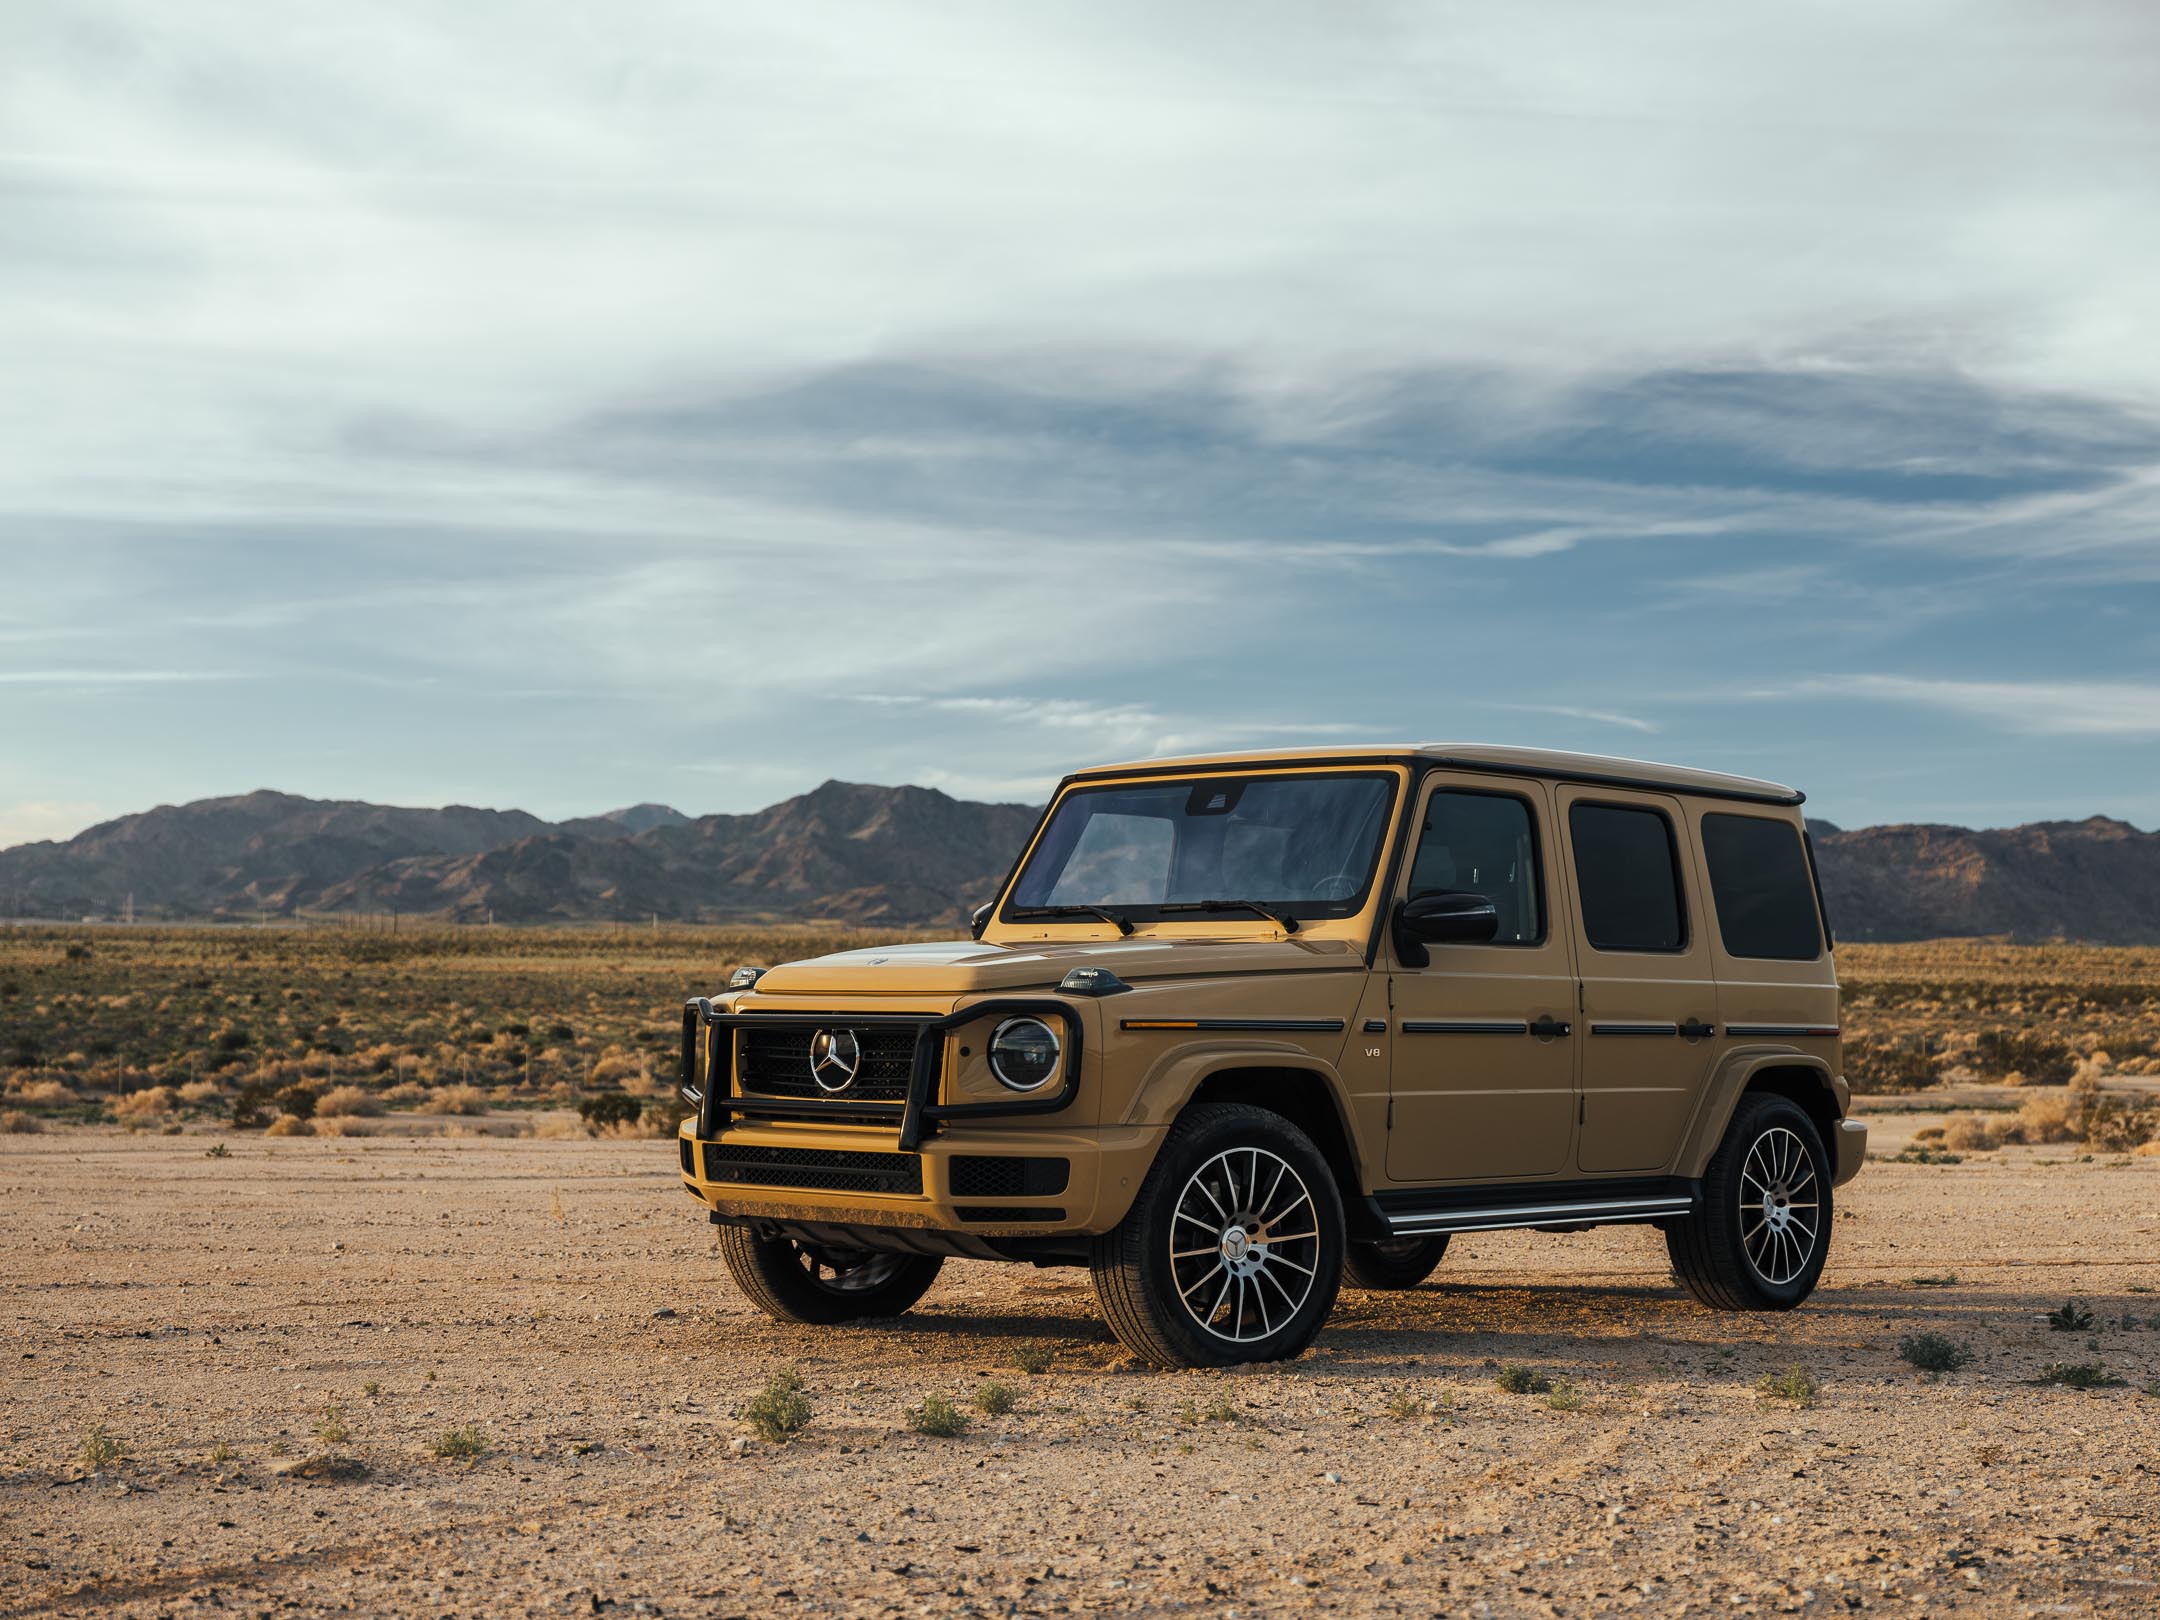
x=1780, y=1206
x=1244, y=1244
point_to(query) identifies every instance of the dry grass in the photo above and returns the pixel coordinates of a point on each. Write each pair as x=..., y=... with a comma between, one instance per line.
x=14, y=1122
x=290, y=1125
x=140, y=1106
x=350, y=1102
x=459, y=1099
x=44, y=1093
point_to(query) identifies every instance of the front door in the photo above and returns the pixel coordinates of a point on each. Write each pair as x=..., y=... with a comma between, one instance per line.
x=1482, y=1078
x=1649, y=996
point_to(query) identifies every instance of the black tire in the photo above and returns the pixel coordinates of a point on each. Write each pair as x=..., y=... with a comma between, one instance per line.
x=1282, y=1271
x=800, y=1282
x=1392, y=1264
x=1733, y=1254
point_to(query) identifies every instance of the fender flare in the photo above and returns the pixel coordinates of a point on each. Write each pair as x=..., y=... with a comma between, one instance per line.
x=1734, y=1075
x=1170, y=1084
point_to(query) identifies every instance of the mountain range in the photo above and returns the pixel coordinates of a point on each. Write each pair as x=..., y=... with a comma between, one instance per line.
x=903, y=856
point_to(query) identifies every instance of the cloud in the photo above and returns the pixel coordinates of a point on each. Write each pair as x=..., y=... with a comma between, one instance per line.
x=1603, y=717
x=2091, y=708
x=30, y=821
x=109, y=677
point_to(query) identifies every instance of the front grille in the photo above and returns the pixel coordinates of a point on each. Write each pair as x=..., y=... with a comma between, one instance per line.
x=775, y=1062
x=818, y=1169
x=976, y=1175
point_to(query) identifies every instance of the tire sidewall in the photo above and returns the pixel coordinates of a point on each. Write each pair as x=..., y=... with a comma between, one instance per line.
x=1364, y=1266
x=1761, y=1115
x=1190, y=1146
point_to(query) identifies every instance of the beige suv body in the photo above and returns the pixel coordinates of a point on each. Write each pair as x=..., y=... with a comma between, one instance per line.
x=1239, y=1027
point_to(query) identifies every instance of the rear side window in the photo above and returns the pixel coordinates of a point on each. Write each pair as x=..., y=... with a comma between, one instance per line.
x=1483, y=843
x=1759, y=880
x=1627, y=871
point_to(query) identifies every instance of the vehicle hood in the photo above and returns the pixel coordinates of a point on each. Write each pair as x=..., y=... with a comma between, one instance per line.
x=962, y=967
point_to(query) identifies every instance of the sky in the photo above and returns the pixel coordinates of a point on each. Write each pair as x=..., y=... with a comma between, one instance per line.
x=556, y=406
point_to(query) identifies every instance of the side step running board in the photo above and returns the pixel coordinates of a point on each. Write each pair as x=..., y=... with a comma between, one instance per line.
x=1579, y=1212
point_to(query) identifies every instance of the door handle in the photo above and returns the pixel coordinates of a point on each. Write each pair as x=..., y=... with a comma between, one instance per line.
x=1694, y=1030
x=1546, y=1027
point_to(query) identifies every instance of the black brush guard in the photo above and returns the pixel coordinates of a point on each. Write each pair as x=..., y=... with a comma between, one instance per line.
x=710, y=1083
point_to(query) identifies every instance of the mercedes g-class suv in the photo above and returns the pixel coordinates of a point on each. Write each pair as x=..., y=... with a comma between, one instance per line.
x=1239, y=1029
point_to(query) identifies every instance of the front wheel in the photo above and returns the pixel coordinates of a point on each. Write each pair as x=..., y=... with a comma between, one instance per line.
x=1760, y=1238
x=1233, y=1249
x=807, y=1282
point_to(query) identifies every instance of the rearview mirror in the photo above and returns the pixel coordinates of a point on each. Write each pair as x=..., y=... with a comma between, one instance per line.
x=1446, y=917
x=979, y=918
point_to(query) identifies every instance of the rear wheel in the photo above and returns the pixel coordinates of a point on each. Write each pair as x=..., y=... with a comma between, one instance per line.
x=1393, y=1263
x=1759, y=1240
x=805, y=1282
x=1233, y=1249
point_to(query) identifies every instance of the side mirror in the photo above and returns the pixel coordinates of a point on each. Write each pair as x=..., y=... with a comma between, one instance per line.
x=1448, y=917
x=979, y=919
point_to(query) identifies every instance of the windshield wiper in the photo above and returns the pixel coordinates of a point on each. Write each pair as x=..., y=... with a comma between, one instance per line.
x=1110, y=917
x=1287, y=924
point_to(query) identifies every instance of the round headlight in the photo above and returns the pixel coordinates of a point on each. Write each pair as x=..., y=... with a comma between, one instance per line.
x=1023, y=1053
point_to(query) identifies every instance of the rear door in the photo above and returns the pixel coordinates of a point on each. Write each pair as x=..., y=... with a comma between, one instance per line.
x=1482, y=1072
x=1648, y=993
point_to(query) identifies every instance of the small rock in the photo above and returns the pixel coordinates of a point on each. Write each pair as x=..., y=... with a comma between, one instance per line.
x=663, y=1314
x=738, y=1446
x=1332, y=1479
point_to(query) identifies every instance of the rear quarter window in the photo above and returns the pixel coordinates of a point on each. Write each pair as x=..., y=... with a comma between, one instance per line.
x=1760, y=885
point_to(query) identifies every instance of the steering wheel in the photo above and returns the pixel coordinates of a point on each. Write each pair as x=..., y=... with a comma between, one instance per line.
x=1338, y=886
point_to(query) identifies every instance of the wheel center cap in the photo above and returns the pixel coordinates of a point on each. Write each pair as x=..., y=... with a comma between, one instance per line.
x=1236, y=1244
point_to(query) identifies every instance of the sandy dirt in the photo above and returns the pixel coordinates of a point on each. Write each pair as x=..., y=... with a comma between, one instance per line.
x=191, y=1303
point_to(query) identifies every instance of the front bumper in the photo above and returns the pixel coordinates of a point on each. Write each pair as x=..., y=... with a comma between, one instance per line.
x=1851, y=1150
x=1034, y=1181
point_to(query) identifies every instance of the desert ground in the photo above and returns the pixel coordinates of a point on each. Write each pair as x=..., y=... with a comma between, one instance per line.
x=232, y=1373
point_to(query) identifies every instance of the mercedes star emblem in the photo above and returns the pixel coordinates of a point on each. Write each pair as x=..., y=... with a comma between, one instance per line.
x=835, y=1055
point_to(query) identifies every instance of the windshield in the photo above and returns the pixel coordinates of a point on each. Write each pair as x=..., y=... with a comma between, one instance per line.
x=1302, y=845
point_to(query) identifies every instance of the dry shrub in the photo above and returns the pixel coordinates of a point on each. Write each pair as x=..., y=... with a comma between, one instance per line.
x=1880, y=1064
x=2120, y=1124
x=349, y=1101
x=2054, y=1116
x=2151, y=1150
x=460, y=1100
x=290, y=1125
x=556, y=1127
x=406, y=1095
x=1972, y=1133
x=17, y=1123
x=644, y=1127
x=199, y=1092
x=613, y=1070
x=49, y=1093
x=339, y=1125
x=155, y=1103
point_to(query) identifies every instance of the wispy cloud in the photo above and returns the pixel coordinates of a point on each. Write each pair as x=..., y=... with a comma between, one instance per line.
x=2094, y=708
x=1602, y=717
x=111, y=677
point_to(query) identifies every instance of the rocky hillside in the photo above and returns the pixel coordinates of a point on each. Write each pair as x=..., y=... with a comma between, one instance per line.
x=906, y=856
x=900, y=855
x=2096, y=881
